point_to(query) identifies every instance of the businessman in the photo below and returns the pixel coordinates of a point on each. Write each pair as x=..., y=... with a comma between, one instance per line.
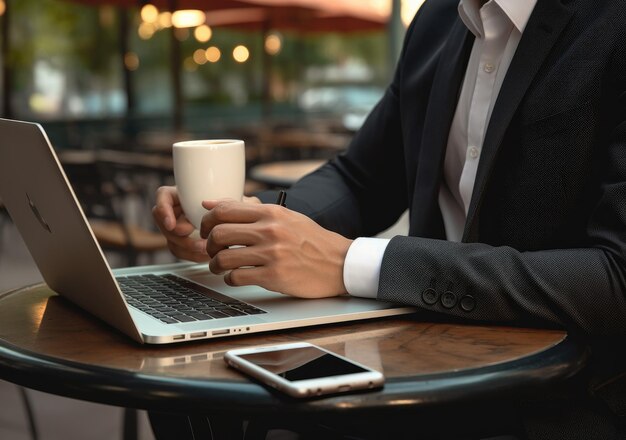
x=504, y=134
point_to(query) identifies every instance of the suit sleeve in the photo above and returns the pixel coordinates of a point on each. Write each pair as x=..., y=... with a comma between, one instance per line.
x=580, y=289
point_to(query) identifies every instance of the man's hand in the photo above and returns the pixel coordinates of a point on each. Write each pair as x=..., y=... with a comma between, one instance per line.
x=282, y=250
x=169, y=217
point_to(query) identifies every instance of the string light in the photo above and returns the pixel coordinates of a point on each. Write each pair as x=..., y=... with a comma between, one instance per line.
x=146, y=30
x=149, y=13
x=165, y=20
x=213, y=54
x=186, y=18
x=241, y=54
x=273, y=44
x=199, y=56
x=203, y=33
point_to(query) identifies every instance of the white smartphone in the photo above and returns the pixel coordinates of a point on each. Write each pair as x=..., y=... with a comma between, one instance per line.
x=303, y=370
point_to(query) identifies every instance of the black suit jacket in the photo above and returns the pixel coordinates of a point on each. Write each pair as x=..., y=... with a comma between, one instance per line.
x=545, y=238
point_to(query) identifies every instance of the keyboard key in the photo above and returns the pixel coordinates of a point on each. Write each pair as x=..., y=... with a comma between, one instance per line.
x=216, y=314
x=183, y=318
x=253, y=311
x=200, y=316
x=233, y=312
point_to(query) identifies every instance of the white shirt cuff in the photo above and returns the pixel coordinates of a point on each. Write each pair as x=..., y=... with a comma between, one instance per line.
x=361, y=269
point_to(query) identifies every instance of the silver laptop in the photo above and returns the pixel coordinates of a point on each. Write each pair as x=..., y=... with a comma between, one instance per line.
x=155, y=304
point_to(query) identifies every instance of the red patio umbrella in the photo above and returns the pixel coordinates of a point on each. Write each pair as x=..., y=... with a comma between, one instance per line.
x=295, y=19
x=304, y=16
x=166, y=5
x=314, y=15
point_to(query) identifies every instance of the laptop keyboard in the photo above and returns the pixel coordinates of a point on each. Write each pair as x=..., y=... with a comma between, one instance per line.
x=172, y=299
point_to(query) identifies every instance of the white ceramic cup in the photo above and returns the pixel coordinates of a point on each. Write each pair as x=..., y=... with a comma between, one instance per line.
x=208, y=170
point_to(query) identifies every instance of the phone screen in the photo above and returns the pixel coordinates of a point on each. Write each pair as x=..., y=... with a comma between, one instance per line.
x=302, y=363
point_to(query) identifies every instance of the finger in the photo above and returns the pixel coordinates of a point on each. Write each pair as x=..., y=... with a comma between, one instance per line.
x=252, y=199
x=193, y=244
x=228, y=212
x=178, y=211
x=188, y=252
x=180, y=238
x=229, y=259
x=183, y=226
x=190, y=256
x=229, y=234
x=246, y=276
x=163, y=211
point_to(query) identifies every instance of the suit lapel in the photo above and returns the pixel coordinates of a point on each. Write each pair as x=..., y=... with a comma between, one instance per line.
x=542, y=31
x=443, y=98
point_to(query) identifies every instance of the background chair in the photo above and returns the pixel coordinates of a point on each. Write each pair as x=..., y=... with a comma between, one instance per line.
x=104, y=195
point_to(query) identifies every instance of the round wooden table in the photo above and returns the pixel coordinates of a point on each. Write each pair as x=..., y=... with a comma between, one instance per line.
x=284, y=174
x=48, y=344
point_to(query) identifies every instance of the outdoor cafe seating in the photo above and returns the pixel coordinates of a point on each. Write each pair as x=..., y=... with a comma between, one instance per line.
x=105, y=190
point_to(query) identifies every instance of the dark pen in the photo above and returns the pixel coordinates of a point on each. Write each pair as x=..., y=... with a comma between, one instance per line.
x=282, y=197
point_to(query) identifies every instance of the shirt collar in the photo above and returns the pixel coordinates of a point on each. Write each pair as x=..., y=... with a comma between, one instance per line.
x=518, y=11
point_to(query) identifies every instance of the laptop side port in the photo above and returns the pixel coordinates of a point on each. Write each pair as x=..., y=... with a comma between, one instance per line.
x=197, y=335
x=178, y=337
x=220, y=332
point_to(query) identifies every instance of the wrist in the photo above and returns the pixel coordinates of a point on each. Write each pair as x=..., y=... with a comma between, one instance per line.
x=343, y=245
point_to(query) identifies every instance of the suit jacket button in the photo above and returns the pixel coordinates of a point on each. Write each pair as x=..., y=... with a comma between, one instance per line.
x=448, y=300
x=430, y=296
x=468, y=303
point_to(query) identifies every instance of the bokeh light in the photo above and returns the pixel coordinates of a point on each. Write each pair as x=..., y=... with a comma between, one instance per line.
x=203, y=33
x=273, y=44
x=241, y=53
x=146, y=30
x=165, y=20
x=213, y=54
x=186, y=18
x=149, y=13
x=131, y=61
x=199, y=56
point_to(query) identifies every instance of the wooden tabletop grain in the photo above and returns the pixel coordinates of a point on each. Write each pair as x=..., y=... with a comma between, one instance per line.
x=49, y=344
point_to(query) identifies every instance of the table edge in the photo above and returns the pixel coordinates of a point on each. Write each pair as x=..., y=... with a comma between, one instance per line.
x=131, y=389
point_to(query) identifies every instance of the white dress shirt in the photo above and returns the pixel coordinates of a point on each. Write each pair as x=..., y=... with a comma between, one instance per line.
x=498, y=26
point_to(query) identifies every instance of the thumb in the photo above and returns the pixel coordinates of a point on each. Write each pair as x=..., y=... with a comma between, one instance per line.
x=210, y=204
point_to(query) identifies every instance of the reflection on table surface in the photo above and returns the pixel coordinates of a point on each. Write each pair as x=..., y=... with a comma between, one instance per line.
x=37, y=320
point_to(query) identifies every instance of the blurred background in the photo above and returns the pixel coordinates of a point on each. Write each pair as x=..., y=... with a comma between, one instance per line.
x=115, y=82
x=110, y=73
